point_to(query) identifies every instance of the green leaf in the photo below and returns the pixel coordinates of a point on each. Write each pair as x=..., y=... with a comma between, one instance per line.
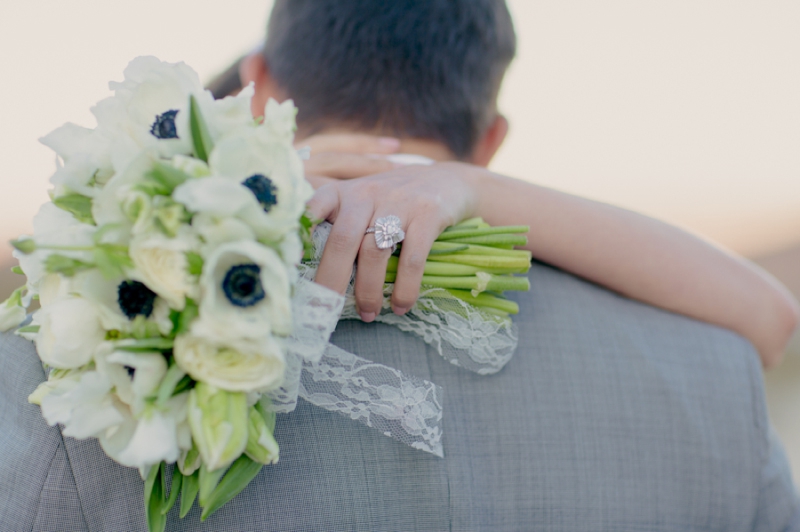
x=112, y=260
x=168, y=384
x=66, y=266
x=208, y=481
x=186, y=383
x=186, y=317
x=194, y=263
x=191, y=485
x=17, y=270
x=145, y=345
x=78, y=205
x=168, y=177
x=174, y=490
x=29, y=329
x=235, y=480
x=154, y=501
x=24, y=245
x=201, y=138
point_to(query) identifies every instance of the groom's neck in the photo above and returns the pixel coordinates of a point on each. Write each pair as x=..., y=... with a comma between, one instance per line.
x=424, y=147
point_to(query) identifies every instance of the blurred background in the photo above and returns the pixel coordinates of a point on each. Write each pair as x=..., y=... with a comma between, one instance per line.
x=687, y=111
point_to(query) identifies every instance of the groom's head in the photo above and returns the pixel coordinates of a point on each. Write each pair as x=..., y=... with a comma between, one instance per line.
x=421, y=69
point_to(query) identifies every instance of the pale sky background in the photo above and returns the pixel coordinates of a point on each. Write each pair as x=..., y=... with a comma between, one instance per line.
x=688, y=111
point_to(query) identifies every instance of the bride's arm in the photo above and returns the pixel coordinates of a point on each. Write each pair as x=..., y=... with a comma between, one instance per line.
x=634, y=255
x=643, y=259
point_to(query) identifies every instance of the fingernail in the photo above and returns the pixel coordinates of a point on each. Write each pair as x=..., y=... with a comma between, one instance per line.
x=368, y=317
x=399, y=310
x=389, y=142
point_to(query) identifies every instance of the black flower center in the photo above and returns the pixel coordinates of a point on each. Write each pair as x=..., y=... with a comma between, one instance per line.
x=131, y=371
x=262, y=188
x=135, y=298
x=242, y=285
x=164, y=126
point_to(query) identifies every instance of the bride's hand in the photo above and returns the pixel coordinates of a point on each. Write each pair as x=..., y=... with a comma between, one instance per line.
x=427, y=199
x=346, y=156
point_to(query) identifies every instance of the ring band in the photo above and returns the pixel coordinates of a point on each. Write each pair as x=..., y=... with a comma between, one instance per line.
x=388, y=232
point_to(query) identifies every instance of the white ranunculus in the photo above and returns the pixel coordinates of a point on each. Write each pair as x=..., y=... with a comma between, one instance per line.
x=245, y=294
x=256, y=152
x=161, y=264
x=251, y=366
x=150, y=89
x=70, y=331
x=82, y=402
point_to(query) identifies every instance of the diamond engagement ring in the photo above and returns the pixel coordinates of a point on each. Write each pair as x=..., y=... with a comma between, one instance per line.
x=388, y=232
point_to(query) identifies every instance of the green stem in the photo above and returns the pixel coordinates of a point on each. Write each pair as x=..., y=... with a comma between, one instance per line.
x=443, y=248
x=515, y=264
x=485, y=300
x=507, y=241
x=466, y=233
x=497, y=283
x=449, y=269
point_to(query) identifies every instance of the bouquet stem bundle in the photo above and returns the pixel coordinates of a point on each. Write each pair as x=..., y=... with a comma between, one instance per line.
x=476, y=263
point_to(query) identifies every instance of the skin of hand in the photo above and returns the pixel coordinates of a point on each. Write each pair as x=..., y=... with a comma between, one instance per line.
x=427, y=199
x=631, y=254
x=346, y=156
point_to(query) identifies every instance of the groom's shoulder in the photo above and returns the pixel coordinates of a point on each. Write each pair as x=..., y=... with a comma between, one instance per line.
x=37, y=491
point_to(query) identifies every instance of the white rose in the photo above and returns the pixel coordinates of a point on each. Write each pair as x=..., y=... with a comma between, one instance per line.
x=149, y=109
x=70, y=330
x=254, y=366
x=161, y=264
x=245, y=294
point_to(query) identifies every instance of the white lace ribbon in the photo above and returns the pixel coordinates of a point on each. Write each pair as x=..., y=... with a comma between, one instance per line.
x=404, y=407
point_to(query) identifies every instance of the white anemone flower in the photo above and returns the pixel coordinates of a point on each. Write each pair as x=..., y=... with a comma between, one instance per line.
x=245, y=294
x=150, y=108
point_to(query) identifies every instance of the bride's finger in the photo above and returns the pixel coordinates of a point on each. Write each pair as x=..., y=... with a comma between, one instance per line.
x=416, y=246
x=370, y=277
x=350, y=143
x=346, y=165
x=341, y=249
x=324, y=204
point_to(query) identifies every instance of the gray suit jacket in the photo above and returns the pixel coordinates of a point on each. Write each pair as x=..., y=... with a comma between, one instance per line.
x=612, y=415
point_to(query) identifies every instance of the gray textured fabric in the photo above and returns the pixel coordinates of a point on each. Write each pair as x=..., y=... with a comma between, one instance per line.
x=611, y=416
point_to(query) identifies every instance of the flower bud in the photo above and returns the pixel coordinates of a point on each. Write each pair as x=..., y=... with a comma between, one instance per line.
x=261, y=444
x=219, y=423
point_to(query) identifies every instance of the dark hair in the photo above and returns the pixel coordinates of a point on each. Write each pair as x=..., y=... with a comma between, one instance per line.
x=420, y=68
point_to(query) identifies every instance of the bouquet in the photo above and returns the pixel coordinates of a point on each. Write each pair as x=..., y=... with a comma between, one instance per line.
x=176, y=317
x=165, y=265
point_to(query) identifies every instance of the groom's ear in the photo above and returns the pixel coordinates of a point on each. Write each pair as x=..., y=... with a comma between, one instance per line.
x=253, y=69
x=490, y=142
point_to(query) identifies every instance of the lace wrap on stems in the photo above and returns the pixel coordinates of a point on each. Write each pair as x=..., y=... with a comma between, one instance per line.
x=406, y=408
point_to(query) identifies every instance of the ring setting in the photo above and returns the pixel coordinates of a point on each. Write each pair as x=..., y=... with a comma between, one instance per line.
x=388, y=232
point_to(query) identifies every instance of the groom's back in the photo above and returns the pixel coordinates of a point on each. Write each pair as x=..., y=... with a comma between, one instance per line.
x=611, y=416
